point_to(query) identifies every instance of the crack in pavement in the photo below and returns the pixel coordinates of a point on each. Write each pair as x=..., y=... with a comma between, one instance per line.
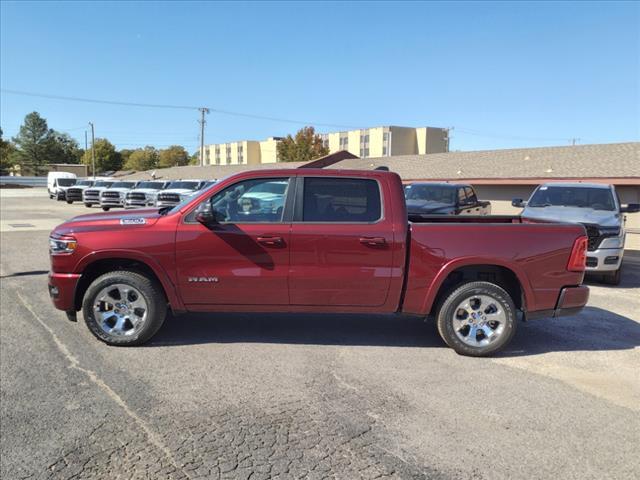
x=74, y=364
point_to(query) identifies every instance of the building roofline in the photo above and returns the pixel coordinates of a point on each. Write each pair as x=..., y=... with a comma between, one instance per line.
x=529, y=180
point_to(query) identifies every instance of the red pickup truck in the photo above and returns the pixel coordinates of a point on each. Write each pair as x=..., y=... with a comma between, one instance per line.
x=308, y=240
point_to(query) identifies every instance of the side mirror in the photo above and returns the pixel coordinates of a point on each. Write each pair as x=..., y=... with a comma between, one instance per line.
x=630, y=208
x=205, y=215
x=518, y=203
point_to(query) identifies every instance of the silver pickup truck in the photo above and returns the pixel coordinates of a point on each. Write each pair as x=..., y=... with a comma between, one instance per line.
x=594, y=205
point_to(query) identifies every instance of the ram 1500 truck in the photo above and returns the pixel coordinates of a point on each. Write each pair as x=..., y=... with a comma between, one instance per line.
x=338, y=241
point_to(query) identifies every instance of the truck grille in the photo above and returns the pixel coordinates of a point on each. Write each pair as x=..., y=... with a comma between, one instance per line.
x=169, y=197
x=74, y=191
x=110, y=194
x=91, y=194
x=136, y=196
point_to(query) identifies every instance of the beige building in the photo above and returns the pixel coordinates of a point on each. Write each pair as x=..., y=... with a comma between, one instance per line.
x=387, y=141
x=364, y=143
x=243, y=152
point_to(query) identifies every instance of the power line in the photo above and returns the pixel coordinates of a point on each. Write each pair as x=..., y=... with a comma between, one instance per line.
x=180, y=107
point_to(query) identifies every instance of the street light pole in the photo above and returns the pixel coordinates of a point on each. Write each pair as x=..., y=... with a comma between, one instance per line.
x=93, y=151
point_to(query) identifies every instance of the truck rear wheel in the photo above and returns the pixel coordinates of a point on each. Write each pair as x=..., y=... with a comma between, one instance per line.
x=477, y=319
x=105, y=209
x=124, y=308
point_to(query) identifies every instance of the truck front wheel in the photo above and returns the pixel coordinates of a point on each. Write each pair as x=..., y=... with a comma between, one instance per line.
x=477, y=319
x=613, y=278
x=124, y=308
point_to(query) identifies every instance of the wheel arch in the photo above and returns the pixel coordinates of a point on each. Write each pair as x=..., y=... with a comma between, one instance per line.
x=453, y=275
x=103, y=262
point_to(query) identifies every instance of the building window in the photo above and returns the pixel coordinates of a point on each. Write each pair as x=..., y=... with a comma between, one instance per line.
x=240, y=154
x=364, y=143
x=344, y=142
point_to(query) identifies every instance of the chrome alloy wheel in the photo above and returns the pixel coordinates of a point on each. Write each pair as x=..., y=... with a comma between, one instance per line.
x=479, y=320
x=120, y=310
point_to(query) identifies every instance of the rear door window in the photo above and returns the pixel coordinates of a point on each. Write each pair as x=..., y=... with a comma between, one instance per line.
x=348, y=200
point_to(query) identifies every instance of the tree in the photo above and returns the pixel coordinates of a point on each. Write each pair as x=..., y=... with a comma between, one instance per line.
x=107, y=159
x=7, y=150
x=62, y=148
x=33, y=142
x=173, y=156
x=142, y=159
x=305, y=146
x=195, y=158
x=125, y=153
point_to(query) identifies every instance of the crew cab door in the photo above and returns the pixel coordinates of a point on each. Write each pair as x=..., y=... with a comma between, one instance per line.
x=242, y=258
x=472, y=206
x=341, y=243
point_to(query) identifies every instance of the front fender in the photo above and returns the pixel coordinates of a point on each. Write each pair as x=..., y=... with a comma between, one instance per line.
x=149, y=261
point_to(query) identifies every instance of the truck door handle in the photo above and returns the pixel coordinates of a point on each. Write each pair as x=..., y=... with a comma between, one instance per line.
x=271, y=241
x=373, y=241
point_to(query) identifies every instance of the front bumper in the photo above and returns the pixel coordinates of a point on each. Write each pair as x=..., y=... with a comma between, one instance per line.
x=137, y=204
x=62, y=288
x=165, y=203
x=604, y=260
x=61, y=195
x=112, y=202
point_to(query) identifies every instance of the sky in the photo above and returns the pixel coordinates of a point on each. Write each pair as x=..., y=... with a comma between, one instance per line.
x=502, y=75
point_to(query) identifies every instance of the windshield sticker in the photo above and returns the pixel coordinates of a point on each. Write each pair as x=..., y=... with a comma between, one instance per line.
x=133, y=221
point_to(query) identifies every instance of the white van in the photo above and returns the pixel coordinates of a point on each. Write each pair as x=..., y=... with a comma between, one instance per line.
x=58, y=182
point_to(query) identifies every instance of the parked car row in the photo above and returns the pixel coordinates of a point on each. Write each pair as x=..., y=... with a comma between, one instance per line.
x=108, y=193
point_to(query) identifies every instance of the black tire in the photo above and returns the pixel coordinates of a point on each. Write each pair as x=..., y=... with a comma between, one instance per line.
x=105, y=209
x=69, y=202
x=153, y=296
x=448, y=310
x=88, y=205
x=613, y=278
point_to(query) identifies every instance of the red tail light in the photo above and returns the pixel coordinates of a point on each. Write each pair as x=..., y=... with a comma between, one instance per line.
x=578, y=258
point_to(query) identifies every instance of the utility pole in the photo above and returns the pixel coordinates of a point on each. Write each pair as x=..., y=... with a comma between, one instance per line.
x=202, y=122
x=574, y=140
x=85, y=141
x=93, y=150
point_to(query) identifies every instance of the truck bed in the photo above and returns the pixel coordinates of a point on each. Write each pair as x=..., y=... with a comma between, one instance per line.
x=536, y=252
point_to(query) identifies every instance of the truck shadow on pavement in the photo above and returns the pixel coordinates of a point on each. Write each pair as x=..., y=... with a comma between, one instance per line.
x=593, y=329
x=295, y=328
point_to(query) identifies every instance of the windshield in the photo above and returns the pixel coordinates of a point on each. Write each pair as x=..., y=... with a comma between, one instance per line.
x=431, y=193
x=184, y=185
x=102, y=183
x=66, y=182
x=85, y=183
x=123, y=185
x=582, y=197
x=154, y=185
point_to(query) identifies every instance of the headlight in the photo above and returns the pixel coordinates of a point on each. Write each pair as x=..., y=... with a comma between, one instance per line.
x=62, y=246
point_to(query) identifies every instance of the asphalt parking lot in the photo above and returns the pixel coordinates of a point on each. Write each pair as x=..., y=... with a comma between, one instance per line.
x=293, y=396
